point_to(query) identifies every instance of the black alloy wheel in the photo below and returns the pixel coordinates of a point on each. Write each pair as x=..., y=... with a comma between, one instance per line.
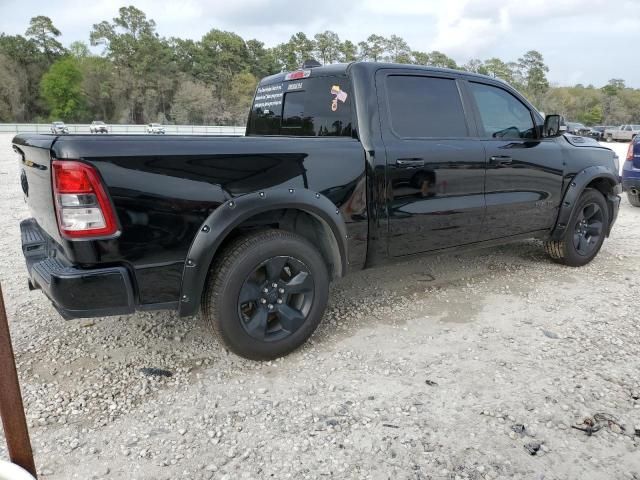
x=266, y=293
x=588, y=229
x=585, y=233
x=275, y=300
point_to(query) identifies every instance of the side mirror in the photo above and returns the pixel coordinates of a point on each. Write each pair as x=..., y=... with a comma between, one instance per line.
x=553, y=126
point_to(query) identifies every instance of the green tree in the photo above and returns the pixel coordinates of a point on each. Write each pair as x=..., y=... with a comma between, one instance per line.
x=476, y=66
x=593, y=116
x=99, y=87
x=143, y=62
x=499, y=69
x=262, y=61
x=302, y=48
x=44, y=35
x=11, y=76
x=30, y=64
x=348, y=51
x=439, y=59
x=195, y=103
x=398, y=50
x=373, y=48
x=534, y=73
x=61, y=90
x=327, y=47
x=79, y=49
x=420, y=58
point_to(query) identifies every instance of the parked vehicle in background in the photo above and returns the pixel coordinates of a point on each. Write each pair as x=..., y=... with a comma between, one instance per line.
x=575, y=128
x=597, y=132
x=155, y=128
x=631, y=172
x=59, y=128
x=253, y=229
x=623, y=133
x=98, y=126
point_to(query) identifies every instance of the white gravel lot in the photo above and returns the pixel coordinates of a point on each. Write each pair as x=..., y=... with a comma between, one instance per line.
x=422, y=370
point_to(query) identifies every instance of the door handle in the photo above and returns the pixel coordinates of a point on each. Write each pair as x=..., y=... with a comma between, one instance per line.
x=500, y=160
x=410, y=162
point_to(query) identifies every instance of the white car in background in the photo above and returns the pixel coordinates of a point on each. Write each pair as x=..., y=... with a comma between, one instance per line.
x=98, y=126
x=59, y=128
x=155, y=128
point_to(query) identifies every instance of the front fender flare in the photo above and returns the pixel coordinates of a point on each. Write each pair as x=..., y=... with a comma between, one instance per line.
x=235, y=211
x=575, y=189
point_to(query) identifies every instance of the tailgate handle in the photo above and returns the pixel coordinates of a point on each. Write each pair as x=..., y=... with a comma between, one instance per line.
x=410, y=162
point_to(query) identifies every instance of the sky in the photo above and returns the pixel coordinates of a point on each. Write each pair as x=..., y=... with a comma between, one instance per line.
x=582, y=41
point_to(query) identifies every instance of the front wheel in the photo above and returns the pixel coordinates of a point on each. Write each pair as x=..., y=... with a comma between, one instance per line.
x=266, y=294
x=585, y=231
x=609, y=138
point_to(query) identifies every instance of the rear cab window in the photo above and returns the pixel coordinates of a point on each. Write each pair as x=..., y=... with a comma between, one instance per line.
x=310, y=106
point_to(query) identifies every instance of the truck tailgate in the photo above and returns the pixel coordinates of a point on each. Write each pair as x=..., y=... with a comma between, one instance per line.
x=34, y=153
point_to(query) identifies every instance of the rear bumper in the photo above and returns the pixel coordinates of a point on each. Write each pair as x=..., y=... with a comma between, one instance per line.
x=75, y=292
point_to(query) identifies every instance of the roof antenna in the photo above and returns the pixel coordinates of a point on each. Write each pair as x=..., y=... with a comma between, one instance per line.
x=310, y=63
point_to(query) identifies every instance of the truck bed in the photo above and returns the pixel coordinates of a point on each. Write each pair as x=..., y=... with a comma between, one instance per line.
x=164, y=187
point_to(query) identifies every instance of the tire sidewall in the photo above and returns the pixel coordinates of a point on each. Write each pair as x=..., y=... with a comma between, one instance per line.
x=634, y=200
x=226, y=311
x=572, y=256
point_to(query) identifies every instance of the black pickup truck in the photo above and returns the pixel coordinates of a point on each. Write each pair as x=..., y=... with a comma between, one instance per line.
x=342, y=167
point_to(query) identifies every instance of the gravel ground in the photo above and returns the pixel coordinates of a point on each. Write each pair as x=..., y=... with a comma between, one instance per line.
x=446, y=367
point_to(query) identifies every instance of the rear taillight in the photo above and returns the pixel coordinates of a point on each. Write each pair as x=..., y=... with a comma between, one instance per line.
x=82, y=206
x=630, y=152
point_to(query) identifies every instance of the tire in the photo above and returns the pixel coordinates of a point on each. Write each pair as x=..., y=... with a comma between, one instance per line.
x=633, y=199
x=261, y=325
x=584, y=237
x=609, y=138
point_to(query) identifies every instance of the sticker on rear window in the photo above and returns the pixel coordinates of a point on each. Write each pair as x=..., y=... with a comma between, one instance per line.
x=338, y=94
x=268, y=96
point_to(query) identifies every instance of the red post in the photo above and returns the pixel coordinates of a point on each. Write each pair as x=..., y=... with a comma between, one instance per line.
x=14, y=421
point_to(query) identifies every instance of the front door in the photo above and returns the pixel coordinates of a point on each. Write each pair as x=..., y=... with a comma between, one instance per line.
x=523, y=185
x=435, y=169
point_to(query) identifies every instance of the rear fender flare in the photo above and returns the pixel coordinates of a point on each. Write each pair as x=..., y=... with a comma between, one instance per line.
x=235, y=211
x=574, y=190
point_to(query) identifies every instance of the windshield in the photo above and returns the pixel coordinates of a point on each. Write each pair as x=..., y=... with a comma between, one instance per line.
x=98, y=123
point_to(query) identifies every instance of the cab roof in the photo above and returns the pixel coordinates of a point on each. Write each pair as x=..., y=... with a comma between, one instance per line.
x=370, y=68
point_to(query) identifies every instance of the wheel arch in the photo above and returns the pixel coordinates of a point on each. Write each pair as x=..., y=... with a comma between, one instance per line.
x=597, y=177
x=302, y=211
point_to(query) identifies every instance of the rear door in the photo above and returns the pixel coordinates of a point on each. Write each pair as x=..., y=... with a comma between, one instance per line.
x=523, y=184
x=435, y=169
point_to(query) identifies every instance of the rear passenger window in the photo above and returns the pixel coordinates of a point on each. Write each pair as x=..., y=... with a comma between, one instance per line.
x=319, y=106
x=425, y=107
x=501, y=114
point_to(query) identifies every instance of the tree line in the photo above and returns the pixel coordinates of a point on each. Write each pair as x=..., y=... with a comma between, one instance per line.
x=141, y=77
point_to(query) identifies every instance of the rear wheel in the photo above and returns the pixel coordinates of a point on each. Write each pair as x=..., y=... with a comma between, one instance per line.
x=266, y=294
x=585, y=231
x=634, y=199
x=609, y=138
